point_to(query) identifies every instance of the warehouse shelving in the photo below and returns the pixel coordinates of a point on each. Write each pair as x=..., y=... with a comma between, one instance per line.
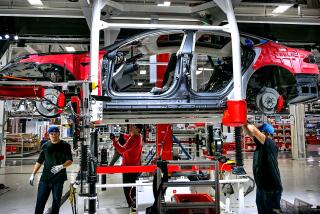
x=21, y=144
x=282, y=135
x=312, y=125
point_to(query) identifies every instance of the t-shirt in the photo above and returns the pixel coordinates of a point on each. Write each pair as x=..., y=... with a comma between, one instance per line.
x=265, y=165
x=130, y=151
x=52, y=155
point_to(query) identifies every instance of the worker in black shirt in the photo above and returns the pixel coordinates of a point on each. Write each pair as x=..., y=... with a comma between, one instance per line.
x=265, y=169
x=56, y=156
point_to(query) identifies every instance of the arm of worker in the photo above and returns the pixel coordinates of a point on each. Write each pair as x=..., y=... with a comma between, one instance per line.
x=126, y=136
x=36, y=167
x=67, y=163
x=57, y=168
x=253, y=131
x=131, y=143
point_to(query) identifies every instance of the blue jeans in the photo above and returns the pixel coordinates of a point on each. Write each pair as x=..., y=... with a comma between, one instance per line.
x=44, y=190
x=268, y=201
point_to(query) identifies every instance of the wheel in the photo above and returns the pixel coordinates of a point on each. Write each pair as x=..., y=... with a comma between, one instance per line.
x=47, y=107
x=267, y=100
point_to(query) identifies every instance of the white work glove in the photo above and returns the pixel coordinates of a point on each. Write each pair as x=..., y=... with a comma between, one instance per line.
x=31, y=179
x=56, y=169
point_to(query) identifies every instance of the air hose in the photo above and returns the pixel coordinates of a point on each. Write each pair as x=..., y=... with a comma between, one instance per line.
x=238, y=169
x=84, y=158
x=83, y=165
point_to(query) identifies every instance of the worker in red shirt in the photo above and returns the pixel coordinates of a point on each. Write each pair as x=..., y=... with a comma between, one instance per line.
x=131, y=154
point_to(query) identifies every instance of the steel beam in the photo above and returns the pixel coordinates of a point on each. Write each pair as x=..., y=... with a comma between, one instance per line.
x=52, y=13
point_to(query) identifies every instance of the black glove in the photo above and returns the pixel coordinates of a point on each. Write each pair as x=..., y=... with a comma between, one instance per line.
x=112, y=136
x=121, y=139
x=121, y=134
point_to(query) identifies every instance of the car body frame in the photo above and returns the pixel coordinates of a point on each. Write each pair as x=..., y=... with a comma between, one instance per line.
x=271, y=74
x=270, y=71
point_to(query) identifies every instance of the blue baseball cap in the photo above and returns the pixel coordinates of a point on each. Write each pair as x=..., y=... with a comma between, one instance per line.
x=267, y=128
x=53, y=129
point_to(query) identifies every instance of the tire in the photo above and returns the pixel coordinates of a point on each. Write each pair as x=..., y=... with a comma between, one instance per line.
x=47, y=107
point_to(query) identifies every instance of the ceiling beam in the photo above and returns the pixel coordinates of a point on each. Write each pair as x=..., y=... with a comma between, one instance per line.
x=278, y=20
x=52, y=13
x=30, y=49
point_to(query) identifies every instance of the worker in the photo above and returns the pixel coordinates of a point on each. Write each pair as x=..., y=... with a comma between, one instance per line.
x=131, y=154
x=56, y=156
x=265, y=168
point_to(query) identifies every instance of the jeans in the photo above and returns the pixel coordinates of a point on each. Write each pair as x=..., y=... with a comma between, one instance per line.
x=129, y=192
x=268, y=202
x=114, y=158
x=44, y=190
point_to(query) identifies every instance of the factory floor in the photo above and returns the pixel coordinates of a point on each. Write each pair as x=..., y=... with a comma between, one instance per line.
x=300, y=179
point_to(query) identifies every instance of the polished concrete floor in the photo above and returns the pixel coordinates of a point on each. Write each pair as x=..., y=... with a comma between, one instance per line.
x=300, y=179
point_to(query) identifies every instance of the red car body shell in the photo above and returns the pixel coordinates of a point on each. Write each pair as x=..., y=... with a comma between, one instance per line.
x=291, y=59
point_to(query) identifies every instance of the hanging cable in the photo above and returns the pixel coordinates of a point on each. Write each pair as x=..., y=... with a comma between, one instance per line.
x=238, y=169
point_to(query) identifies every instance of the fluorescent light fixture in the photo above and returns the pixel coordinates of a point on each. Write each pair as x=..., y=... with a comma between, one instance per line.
x=281, y=8
x=143, y=72
x=205, y=69
x=70, y=49
x=200, y=69
x=165, y=4
x=140, y=83
x=7, y=36
x=16, y=37
x=35, y=2
x=198, y=72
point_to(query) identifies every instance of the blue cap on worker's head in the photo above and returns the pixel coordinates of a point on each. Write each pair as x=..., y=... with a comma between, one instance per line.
x=267, y=128
x=53, y=129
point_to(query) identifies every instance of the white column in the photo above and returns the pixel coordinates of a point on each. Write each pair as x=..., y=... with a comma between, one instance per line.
x=97, y=108
x=297, y=131
x=226, y=6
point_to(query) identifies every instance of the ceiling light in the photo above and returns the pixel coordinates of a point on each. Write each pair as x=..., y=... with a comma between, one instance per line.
x=7, y=36
x=198, y=72
x=143, y=72
x=165, y=4
x=70, y=49
x=140, y=83
x=35, y=2
x=16, y=37
x=0, y=37
x=205, y=69
x=282, y=8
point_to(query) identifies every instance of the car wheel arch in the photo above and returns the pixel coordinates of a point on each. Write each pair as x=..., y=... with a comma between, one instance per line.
x=281, y=79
